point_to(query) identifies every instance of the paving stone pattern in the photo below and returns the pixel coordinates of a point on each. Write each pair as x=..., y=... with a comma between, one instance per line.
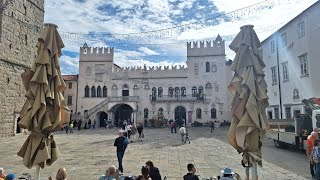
x=88, y=153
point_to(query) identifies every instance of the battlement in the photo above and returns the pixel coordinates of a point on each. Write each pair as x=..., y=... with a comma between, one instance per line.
x=206, y=48
x=147, y=69
x=96, y=53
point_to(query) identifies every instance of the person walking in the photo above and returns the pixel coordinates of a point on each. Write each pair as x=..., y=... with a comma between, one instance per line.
x=140, y=132
x=211, y=127
x=316, y=153
x=94, y=124
x=310, y=144
x=79, y=125
x=187, y=137
x=182, y=132
x=191, y=173
x=128, y=129
x=121, y=143
x=89, y=124
x=71, y=125
x=134, y=132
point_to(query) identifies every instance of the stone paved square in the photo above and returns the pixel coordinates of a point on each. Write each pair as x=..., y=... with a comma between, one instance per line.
x=87, y=153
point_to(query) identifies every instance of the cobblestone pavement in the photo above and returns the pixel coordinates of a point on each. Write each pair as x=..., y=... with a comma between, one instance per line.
x=87, y=154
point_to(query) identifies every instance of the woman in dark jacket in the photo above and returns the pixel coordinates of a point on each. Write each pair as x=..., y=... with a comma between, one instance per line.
x=140, y=130
x=154, y=172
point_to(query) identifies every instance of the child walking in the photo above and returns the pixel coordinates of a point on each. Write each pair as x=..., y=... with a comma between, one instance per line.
x=187, y=137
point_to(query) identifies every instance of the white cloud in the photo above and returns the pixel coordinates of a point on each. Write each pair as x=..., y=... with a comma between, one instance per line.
x=148, y=51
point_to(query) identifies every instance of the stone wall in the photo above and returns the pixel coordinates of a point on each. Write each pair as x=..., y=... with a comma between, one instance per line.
x=20, y=26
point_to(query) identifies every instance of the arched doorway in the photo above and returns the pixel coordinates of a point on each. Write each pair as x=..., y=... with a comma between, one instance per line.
x=123, y=112
x=103, y=116
x=180, y=113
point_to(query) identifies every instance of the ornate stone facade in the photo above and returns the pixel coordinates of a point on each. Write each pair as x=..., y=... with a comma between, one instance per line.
x=197, y=92
x=20, y=25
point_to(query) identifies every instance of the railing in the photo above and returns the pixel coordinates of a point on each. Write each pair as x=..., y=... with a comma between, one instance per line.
x=178, y=98
x=95, y=108
x=124, y=99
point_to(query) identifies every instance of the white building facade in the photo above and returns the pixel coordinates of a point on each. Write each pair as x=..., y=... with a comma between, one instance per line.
x=292, y=58
x=197, y=92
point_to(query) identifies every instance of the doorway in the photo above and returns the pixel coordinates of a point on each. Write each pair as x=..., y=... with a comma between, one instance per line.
x=123, y=112
x=103, y=119
x=180, y=114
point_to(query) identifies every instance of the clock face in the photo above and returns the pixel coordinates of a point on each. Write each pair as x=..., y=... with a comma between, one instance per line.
x=88, y=71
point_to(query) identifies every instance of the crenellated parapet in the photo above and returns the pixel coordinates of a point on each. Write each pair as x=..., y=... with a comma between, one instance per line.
x=96, y=53
x=206, y=48
x=145, y=69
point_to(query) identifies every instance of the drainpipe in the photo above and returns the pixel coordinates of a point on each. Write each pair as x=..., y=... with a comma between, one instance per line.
x=77, y=94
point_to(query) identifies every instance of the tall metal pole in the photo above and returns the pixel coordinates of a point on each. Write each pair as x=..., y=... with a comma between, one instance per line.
x=279, y=80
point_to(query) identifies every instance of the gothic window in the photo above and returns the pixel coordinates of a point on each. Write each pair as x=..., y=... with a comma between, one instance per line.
x=135, y=86
x=213, y=113
x=183, y=92
x=93, y=91
x=160, y=92
x=105, y=91
x=214, y=67
x=160, y=112
x=170, y=91
x=154, y=93
x=296, y=94
x=86, y=91
x=125, y=86
x=99, y=91
x=114, y=87
x=208, y=85
x=194, y=91
x=146, y=113
x=198, y=113
x=177, y=91
x=207, y=67
x=201, y=93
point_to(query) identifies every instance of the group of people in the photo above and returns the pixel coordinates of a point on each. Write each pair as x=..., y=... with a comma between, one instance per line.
x=78, y=124
x=61, y=175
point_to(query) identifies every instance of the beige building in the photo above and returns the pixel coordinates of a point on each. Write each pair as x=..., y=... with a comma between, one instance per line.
x=70, y=94
x=292, y=56
x=20, y=25
x=197, y=92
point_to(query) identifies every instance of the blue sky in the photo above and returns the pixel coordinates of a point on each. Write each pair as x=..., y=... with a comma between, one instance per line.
x=100, y=23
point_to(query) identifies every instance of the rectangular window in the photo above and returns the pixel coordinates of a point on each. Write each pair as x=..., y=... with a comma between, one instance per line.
x=285, y=71
x=276, y=113
x=69, y=102
x=274, y=75
x=288, y=112
x=284, y=39
x=272, y=46
x=270, y=114
x=301, y=29
x=70, y=85
x=304, y=65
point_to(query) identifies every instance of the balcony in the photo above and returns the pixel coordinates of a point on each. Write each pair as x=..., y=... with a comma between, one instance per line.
x=123, y=98
x=179, y=98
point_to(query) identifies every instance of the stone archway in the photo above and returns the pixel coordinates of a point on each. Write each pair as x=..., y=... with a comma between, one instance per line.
x=180, y=113
x=103, y=117
x=123, y=112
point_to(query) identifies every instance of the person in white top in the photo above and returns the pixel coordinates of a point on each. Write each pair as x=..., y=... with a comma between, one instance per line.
x=128, y=130
x=183, y=132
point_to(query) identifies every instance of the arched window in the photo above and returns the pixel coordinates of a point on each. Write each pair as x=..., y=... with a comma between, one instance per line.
x=146, y=113
x=177, y=91
x=183, y=92
x=99, y=91
x=114, y=86
x=93, y=91
x=135, y=86
x=170, y=91
x=125, y=86
x=160, y=112
x=86, y=91
x=201, y=93
x=207, y=67
x=198, y=113
x=194, y=91
x=153, y=93
x=208, y=85
x=105, y=91
x=213, y=113
x=296, y=94
x=160, y=92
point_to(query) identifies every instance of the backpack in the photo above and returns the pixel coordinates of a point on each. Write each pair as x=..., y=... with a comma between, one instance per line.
x=313, y=159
